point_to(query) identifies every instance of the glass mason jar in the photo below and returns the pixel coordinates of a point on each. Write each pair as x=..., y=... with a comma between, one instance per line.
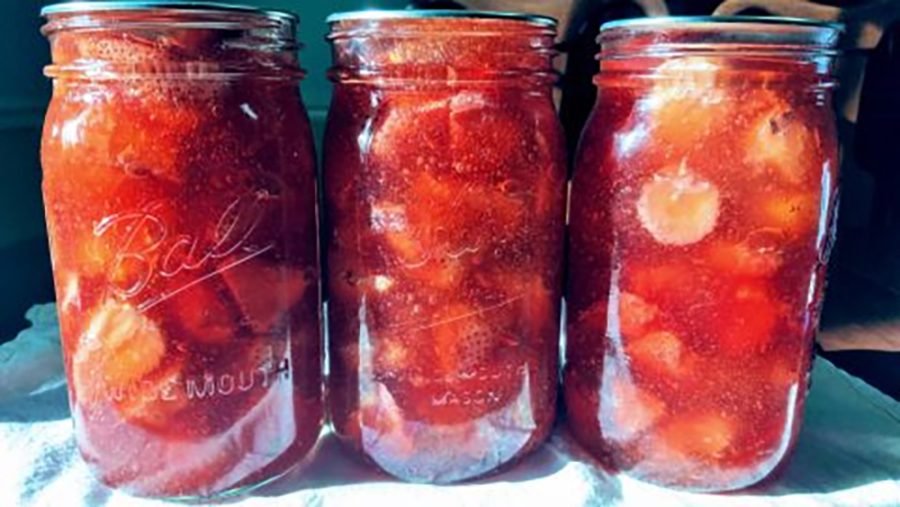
x=179, y=183
x=444, y=186
x=703, y=212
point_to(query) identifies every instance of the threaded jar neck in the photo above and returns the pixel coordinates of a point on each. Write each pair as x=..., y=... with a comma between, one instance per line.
x=442, y=47
x=774, y=49
x=121, y=40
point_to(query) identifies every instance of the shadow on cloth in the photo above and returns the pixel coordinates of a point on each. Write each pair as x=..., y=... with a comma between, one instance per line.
x=52, y=405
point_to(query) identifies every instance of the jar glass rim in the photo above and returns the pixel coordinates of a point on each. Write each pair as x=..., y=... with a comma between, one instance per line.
x=246, y=28
x=84, y=7
x=719, y=35
x=700, y=21
x=387, y=14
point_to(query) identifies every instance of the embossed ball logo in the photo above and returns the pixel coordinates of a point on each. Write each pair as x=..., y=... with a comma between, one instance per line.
x=146, y=247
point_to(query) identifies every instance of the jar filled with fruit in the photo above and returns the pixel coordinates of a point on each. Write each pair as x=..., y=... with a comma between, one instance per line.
x=703, y=211
x=444, y=186
x=179, y=182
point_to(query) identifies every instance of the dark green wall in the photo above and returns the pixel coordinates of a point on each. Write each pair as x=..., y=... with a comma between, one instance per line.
x=24, y=93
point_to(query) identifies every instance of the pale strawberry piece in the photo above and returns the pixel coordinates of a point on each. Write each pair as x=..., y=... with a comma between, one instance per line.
x=780, y=145
x=627, y=410
x=266, y=292
x=705, y=436
x=687, y=102
x=660, y=353
x=635, y=314
x=119, y=347
x=678, y=208
x=751, y=258
x=157, y=399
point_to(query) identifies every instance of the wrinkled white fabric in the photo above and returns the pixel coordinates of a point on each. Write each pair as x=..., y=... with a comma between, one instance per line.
x=848, y=455
x=31, y=363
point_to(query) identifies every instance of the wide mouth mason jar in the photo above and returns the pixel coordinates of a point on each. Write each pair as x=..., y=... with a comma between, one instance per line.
x=444, y=185
x=179, y=184
x=703, y=211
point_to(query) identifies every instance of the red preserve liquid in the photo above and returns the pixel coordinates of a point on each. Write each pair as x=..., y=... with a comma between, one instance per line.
x=702, y=211
x=444, y=177
x=180, y=198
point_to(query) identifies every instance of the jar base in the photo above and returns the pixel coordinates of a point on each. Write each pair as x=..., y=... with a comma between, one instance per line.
x=701, y=488
x=445, y=477
x=228, y=494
